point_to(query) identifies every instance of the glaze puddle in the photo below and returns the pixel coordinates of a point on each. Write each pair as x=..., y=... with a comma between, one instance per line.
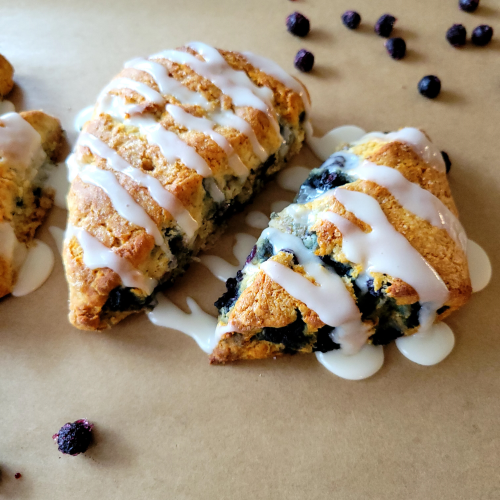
x=292, y=178
x=479, y=266
x=257, y=219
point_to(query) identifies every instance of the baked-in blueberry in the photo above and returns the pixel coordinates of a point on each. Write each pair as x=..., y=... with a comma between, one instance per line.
x=457, y=35
x=288, y=250
x=124, y=299
x=338, y=267
x=396, y=47
x=251, y=255
x=447, y=161
x=298, y=24
x=351, y=19
x=231, y=294
x=292, y=336
x=324, y=341
x=468, y=5
x=74, y=438
x=383, y=27
x=429, y=86
x=482, y=35
x=304, y=60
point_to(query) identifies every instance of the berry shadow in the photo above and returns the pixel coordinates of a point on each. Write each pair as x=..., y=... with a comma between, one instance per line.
x=493, y=45
x=323, y=71
x=450, y=97
x=486, y=10
x=404, y=33
x=108, y=448
x=320, y=35
x=413, y=56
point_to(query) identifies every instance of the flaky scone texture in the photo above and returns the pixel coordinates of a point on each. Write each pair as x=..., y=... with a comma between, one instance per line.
x=258, y=307
x=98, y=297
x=24, y=200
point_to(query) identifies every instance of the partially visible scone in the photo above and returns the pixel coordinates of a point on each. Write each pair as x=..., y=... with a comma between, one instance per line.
x=372, y=250
x=6, y=76
x=28, y=142
x=177, y=143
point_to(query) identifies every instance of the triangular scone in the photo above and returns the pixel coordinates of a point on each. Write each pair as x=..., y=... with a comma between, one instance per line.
x=372, y=250
x=176, y=143
x=28, y=141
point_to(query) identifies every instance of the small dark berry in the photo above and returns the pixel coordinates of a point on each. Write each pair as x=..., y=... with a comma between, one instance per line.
x=74, y=438
x=447, y=160
x=384, y=25
x=304, y=60
x=429, y=86
x=468, y=5
x=297, y=24
x=18, y=475
x=396, y=47
x=288, y=250
x=481, y=35
x=457, y=35
x=351, y=19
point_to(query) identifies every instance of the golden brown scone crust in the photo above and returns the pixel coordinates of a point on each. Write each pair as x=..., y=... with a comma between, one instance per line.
x=266, y=304
x=22, y=204
x=6, y=76
x=91, y=209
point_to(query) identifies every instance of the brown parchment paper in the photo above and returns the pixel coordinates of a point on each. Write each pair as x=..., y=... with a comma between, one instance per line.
x=167, y=424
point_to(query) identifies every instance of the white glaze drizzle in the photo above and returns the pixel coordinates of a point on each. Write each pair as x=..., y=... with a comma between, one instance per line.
x=257, y=219
x=35, y=269
x=206, y=126
x=167, y=84
x=159, y=193
x=480, y=269
x=292, y=178
x=428, y=347
x=271, y=68
x=96, y=256
x=6, y=107
x=198, y=324
x=83, y=117
x=222, y=269
x=121, y=200
x=324, y=147
x=359, y=366
x=413, y=198
x=414, y=138
x=384, y=249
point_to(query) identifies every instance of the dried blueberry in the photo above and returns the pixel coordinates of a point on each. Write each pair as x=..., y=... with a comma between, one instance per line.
x=351, y=19
x=457, y=35
x=396, y=47
x=468, y=5
x=304, y=60
x=298, y=24
x=482, y=35
x=74, y=438
x=429, y=86
x=447, y=160
x=383, y=27
x=288, y=250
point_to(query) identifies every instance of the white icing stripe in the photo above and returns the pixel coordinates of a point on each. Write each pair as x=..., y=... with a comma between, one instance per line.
x=121, y=200
x=414, y=138
x=317, y=298
x=231, y=120
x=144, y=90
x=20, y=145
x=384, y=249
x=159, y=193
x=413, y=198
x=206, y=126
x=271, y=68
x=235, y=84
x=167, y=84
x=97, y=256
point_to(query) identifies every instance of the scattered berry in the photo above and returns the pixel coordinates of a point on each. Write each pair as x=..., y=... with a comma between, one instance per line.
x=396, y=47
x=74, y=438
x=351, y=19
x=297, y=24
x=468, y=5
x=481, y=35
x=457, y=35
x=447, y=160
x=384, y=25
x=304, y=60
x=18, y=475
x=429, y=86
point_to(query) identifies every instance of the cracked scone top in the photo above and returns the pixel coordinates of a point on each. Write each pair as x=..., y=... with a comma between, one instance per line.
x=176, y=143
x=372, y=250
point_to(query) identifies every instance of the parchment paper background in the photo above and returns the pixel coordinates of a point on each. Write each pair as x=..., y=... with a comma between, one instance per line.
x=168, y=425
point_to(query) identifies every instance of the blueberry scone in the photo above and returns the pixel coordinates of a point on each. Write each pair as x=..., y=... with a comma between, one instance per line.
x=371, y=250
x=29, y=141
x=176, y=143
